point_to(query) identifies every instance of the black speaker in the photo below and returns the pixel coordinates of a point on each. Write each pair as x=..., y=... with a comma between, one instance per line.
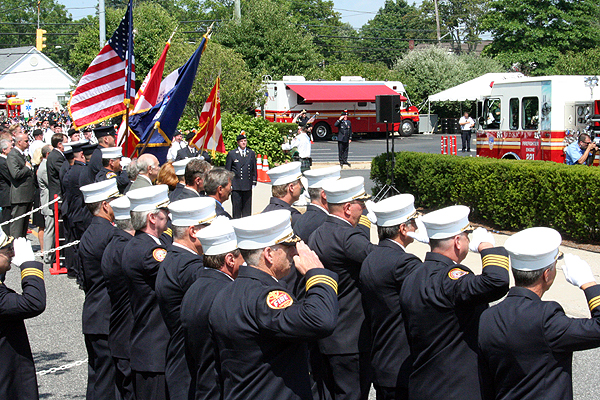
x=388, y=108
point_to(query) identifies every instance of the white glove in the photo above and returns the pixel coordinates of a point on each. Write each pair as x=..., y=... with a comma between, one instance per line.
x=480, y=235
x=371, y=215
x=421, y=233
x=577, y=272
x=23, y=251
x=286, y=146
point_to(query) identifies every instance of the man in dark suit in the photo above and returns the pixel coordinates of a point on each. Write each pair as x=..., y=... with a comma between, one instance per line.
x=218, y=186
x=242, y=162
x=526, y=345
x=381, y=277
x=195, y=175
x=344, y=137
x=342, y=249
x=22, y=187
x=5, y=148
x=191, y=151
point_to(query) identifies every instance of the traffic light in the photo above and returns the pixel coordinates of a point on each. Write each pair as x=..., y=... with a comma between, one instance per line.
x=40, y=39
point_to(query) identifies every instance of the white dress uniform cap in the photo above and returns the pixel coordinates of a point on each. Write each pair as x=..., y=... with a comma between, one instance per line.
x=180, y=165
x=111, y=152
x=149, y=198
x=395, y=210
x=120, y=208
x=263, y=230
x=100, y=191
x=533, y=249
x=285, y=173
x=192, y=211
x=345, y=190
x=317, y=177
x=447, y=222
x=218, y=238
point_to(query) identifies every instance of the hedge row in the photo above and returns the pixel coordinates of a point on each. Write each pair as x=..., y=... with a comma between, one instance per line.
x=506, y=194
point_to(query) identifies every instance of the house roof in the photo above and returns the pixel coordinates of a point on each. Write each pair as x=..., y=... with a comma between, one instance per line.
x=8, y=57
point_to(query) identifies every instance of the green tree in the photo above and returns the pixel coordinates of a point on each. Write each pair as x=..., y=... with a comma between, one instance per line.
x=269, y=40
x=334, y=71
x=532, y=34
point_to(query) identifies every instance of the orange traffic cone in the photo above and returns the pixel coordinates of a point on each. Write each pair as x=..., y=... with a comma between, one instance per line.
x=265, y=168
x=259, y=173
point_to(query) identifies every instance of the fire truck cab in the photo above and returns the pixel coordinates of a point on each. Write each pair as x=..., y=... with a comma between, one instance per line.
x=535, y=118
x=10, y=105
x=288, y=97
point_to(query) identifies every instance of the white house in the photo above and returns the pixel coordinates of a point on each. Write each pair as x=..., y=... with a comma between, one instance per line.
x=33, y=76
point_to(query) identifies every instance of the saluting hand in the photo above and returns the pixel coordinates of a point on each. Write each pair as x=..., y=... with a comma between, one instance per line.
x=306, y=259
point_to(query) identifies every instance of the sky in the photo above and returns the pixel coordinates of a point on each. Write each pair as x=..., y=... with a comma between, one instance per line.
x=354, y=12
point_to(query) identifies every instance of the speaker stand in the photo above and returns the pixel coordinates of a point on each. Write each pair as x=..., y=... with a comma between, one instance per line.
x=388, y=189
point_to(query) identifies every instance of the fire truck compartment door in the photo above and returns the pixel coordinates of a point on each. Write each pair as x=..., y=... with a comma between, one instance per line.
x=339, y=92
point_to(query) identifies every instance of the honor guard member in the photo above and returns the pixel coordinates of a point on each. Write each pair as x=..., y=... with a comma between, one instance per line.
x=179, y=167
x=111, y=167
x=526, y=344
x=69, y=158
x=381, y=277
x=96, y=306
x=242, y=162
x=141, y=260
x=441, y=304
x=106, y=136
x=175, y=276
x=121, y=318
x=221, y=262
x=195, y=175
x=17, y=370
x=344, y=137
x=301, y=142
x=259, y=328
x=176, y=144
x=218, y=186
x=342, y=249
x=88, y=150
x=286, y=189
x=317, y=210
x=191, y=151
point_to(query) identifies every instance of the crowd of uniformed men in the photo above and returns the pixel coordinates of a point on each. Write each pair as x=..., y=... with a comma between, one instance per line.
x=182, y=302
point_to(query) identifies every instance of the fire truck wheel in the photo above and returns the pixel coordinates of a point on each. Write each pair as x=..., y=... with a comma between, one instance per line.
x=322, y=131
x=407, y=128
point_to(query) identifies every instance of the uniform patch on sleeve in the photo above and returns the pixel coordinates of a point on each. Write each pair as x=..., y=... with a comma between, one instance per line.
x=159, y=254
x=456, y=273
x=278, y=299
x=110, y=175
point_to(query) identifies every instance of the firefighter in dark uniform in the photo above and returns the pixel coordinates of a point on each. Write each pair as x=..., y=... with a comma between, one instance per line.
x=526, y=344
x=141, y=260
x=260, y=329
x=96, y=307
x=190, y=151
x=121, y=318
x=441, y=304
x=344, y=137
x=72, y=262
x=342, y=248
x=179, y=167
x=381, y=277
x=106, y=136
x=17, y=370
x=175, y=276
x=286, y=189
x=111, y=168
x=221, y=262
x=242, y=162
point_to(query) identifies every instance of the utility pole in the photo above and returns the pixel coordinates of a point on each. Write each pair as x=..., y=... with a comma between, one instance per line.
x=101, y=21
x=437, y=20
x=237, y=12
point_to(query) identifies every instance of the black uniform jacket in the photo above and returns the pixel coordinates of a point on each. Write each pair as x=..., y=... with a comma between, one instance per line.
x=149, y=336
x=381, y=277
x=184, y=153
x=344, y=130
x=121, y=177
x=244, y=169
x=260, y=332
x=121, y=318
x=185, y=193
x=93, y=167
x=4, y=183
x=96, y=307
x=308, y=222
x=441, y=304
x=76, y=210
x=175, y=276
x=220, y=210
x=176, y=191
x=17, y=371
x=526, y=346
x=278, y=204
x=342, y=249
x=199, y=346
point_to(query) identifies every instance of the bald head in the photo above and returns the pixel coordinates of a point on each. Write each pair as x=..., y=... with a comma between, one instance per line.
x=22, y=141
x=147, y=164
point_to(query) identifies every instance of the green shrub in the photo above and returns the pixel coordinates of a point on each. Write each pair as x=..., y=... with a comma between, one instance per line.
x=263, y=136
x=506, y=194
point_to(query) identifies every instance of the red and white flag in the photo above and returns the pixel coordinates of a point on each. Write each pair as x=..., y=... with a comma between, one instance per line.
x=108, y=81
x=209, y=135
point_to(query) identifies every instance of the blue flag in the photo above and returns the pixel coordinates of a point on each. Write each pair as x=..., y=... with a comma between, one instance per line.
x=165, y=114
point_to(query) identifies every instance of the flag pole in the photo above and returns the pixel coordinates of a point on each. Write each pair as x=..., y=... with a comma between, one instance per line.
x=126, y=136
x=156, y=126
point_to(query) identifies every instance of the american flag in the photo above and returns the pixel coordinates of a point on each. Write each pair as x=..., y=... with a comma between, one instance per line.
x=109, y=79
